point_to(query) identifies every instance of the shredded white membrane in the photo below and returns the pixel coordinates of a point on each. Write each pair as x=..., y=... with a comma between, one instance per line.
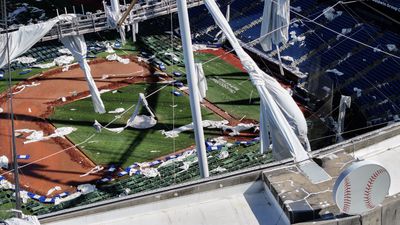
x=223, y=124
x=115, y=57
x=330, y=13
x=117, y=110
x=392, y=47
x=36, y=136
x=335, y=71
x=25, y=60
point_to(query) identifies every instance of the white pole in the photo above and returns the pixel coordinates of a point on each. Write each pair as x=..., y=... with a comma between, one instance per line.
x=133, y=33
x=280, y=61
x=345, y=102
x=228, y=13
x=115, y=6
x=193, y=88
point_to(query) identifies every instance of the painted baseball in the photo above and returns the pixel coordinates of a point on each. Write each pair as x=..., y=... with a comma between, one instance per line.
x=361, y=187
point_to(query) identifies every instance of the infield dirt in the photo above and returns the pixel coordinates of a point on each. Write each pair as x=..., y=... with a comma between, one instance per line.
x=57, y=162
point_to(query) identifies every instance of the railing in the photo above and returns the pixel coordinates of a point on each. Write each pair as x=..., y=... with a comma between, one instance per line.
x=144, y=12
x=82, y=24
x=96, y=22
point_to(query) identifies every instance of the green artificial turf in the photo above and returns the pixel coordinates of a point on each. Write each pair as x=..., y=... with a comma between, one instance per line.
x=131, y=145
x=145, y=145
x=5, y=212
x=228, y=87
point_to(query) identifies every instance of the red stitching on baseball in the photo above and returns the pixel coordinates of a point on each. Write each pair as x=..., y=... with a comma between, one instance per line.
x=347, y=195
x=368, y=188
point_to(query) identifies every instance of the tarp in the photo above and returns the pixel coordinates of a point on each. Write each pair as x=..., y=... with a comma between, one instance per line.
x=115, y=57
x=136, y=121
x=77, y=46
x=223, y=124
x=36, y=136
x=86, y=188
x=25, y=37
x=205, y=123
x=275, y=23
x=288, y=126
x=142, y=100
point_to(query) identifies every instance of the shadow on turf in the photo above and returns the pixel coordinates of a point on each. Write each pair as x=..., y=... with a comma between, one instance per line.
x=254, y=101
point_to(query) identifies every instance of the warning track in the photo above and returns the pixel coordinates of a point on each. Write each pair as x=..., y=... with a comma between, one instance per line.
x=50, y=164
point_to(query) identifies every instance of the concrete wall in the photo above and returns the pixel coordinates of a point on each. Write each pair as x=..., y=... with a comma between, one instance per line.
x=386, y=214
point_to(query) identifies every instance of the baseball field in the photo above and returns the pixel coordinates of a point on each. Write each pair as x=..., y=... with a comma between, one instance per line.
x=52, y=100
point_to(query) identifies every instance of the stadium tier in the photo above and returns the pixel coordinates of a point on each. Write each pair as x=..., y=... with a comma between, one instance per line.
x=357, y=56
x=319, y=48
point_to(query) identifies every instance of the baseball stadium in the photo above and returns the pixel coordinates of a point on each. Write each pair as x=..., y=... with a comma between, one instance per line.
x=199, y=112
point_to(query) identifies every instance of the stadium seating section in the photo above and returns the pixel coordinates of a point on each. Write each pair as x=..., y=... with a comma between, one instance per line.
x=241, y=156
x=366, y=74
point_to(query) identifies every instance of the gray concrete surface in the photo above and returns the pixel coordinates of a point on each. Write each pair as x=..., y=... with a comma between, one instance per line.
x=303, y=200
x=239, y=204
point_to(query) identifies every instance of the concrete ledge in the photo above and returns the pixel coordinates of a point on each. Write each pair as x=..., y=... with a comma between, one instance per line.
x=203, y=185
x=387, y=214
x=300, y=199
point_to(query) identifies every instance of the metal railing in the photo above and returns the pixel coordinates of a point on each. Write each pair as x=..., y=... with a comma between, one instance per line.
x=144, y=12
x=83, y=24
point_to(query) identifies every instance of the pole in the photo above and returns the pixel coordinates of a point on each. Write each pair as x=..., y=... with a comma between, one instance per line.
x=133, y=33
x=280, y=61
x=193, y=88
x=228, y=13
x=14, y=148
x=115, y=6
x=121, y=29
x=127, y=12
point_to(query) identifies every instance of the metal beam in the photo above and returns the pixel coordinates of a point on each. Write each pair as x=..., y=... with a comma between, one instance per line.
x=127, y=12
x=13, y=141
x=191, y=76
x=83, y=24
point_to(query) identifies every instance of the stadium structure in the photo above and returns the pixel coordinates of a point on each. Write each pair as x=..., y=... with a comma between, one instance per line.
x=199, y=112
